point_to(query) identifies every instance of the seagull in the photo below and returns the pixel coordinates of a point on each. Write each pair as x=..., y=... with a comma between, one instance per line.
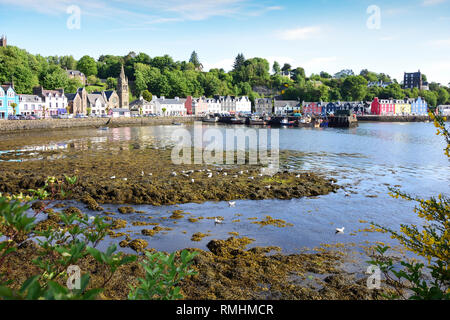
x=297, y=176
x=268, y=187
x=241, y=172
x=150, y=174
x=340, y=230
x=225, y=174
x=142, y=173
x=218, y=221
x=192, y=180
x=251, y=178
x=174, y=174
x=125, y=179
x=210, y=175
x=113, y=177
x=231, y=203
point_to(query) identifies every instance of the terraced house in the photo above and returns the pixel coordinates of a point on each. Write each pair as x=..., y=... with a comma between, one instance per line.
x=55, y=101
x=30, y=105
x=419, y=106
x=8, y=97
x=264, y=106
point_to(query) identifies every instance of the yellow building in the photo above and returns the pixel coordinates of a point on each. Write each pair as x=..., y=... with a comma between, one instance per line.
x=402, y=107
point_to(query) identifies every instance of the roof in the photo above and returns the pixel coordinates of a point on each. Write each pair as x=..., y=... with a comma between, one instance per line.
x=6, y=87
x=75, y=72
x=94, y=96
x=282, y=103
x=70, y=96
x=29, y=98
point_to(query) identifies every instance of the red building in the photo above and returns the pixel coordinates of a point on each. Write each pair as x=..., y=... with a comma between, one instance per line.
x=188, y=105
x=381, y=107
x=312, y=108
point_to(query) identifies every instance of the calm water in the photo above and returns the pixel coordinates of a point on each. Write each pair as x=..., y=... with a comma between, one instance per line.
x=365, y=161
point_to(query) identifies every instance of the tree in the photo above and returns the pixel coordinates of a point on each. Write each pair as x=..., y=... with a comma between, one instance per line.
x=147, y=95
x=195, y=60
x=286, y=67
x=72, y=85
x=88, y=66
x=111, y=83
x=239, y=62
x=354, y=88
x=14, y=107
x=276, y=68
x=55, y=78
x=325, y=75
x=443, y=96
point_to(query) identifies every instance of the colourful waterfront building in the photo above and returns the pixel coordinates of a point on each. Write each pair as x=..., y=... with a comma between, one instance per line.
x=419, y=106
x=382, y=107
x=8, y=96
x=312, y=108
x=402, y=107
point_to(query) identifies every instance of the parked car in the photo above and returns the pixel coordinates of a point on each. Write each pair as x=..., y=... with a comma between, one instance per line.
x=80, y=116
x=13, y=117
x=30, y=117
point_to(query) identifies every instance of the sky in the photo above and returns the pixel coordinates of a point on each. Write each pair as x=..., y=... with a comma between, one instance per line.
x=391, y=37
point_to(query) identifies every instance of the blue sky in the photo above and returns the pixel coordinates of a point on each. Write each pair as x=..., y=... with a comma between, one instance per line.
x=317, y=35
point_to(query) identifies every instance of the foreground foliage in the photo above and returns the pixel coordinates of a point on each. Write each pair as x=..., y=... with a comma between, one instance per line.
x=62, y=244
x=431, y=242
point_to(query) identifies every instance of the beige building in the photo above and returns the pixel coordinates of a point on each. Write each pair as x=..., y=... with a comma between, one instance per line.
x=77, y=102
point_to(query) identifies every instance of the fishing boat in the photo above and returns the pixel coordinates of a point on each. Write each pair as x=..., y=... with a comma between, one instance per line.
x=255, y=120
x=286, y=122
x=237, y=121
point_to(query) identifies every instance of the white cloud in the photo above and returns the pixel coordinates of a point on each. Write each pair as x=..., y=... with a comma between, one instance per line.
x=144, y=12
x=226, y=64
x=440, y=43
x=432, y=2
x=301, y=33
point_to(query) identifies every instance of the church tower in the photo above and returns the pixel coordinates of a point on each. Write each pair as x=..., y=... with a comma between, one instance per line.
x=3, y=41
x=122, y=90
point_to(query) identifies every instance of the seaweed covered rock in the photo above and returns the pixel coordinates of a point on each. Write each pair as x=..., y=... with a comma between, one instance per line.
x=230, y=247
x=91, y=203
x=126, y=210
x=138, y=245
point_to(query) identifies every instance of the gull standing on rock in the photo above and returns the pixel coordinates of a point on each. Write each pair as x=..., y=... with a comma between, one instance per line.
x=231, y=203
x=218, y=221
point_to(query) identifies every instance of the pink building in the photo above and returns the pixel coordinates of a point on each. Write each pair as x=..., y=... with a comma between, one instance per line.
x=382, y=107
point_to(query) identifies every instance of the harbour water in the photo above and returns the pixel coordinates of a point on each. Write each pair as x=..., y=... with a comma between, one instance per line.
x=364, y=160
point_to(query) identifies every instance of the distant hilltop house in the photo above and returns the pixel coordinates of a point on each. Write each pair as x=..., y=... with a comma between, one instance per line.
x=413, y=80
x=75, y=74
x=379, y=84
x=3, y=41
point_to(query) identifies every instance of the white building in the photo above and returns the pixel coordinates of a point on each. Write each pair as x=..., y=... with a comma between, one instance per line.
x=214, y=106
x=96, y=103
x=243, y=104
x=118, y=112
x=55, y=101
x=142, y=106
x=30, y=104
x=444, y=110
x=170, y=107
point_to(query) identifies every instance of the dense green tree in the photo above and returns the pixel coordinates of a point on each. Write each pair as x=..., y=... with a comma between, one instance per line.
x=111, y=83
x=354, y=88
x=88, y=66
x=72, y=85
x=239, y=62
x=442, y=96
x=55, y=78
x=147, y=95
x=276, y=68
x=195, y=60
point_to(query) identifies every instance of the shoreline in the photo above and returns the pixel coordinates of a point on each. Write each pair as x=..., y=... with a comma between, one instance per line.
x=16, y=126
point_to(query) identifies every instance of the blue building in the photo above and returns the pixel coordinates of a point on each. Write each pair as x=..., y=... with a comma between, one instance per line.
x=419, y=106
x=8, y=96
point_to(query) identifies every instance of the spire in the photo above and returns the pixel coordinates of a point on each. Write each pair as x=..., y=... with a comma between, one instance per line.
x=122, y=73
